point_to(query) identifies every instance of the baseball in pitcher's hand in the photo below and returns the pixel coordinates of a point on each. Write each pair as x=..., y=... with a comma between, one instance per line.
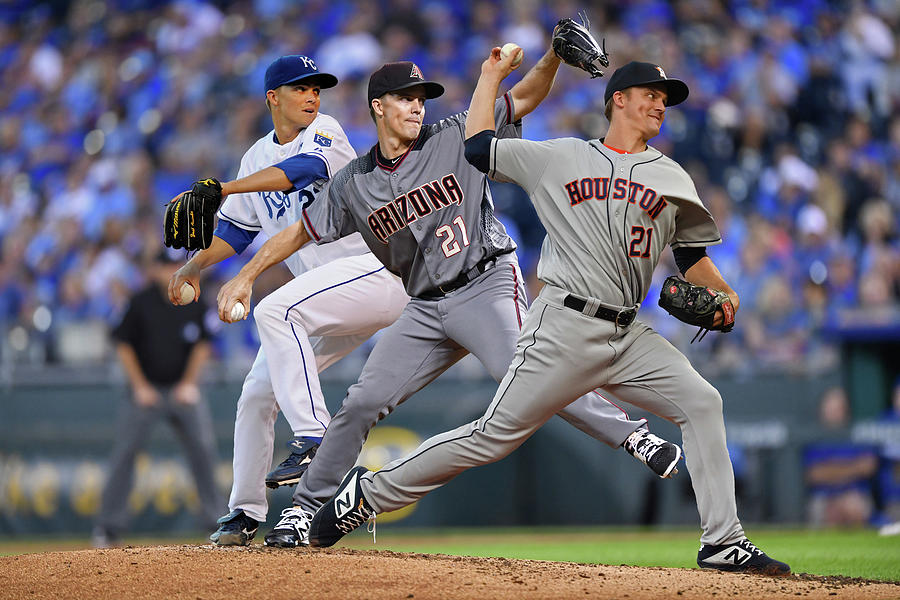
x=498, y=66
x=188, y=273
x=238, y=289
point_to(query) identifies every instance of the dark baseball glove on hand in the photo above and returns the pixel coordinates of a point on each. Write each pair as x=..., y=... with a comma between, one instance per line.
x=574, y=44
x=696, y=305
x=191, y=218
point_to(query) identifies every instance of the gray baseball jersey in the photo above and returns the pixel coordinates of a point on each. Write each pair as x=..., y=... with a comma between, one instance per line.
x=428, y=217
x=608, y=216
x=422, y=218
x=631, y=207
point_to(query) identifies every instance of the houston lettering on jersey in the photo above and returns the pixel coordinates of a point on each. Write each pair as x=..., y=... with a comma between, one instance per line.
x=580, y=190
x=415, y=204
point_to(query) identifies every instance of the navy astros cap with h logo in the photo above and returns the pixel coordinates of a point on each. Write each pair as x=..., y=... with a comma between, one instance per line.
x=396, y=76
x=644, y=73
x=293, y=68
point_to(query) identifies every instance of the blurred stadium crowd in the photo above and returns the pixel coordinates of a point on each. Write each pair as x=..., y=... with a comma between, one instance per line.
x=109, y=108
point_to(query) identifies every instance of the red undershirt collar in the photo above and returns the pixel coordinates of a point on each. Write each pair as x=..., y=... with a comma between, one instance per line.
x=616, y=149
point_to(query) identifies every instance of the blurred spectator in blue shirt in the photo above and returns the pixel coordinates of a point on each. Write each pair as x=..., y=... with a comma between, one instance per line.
x=839, y=474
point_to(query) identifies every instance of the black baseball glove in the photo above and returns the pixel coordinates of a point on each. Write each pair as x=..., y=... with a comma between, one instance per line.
x=696, y=305
x=191, y=218
x=574, y=44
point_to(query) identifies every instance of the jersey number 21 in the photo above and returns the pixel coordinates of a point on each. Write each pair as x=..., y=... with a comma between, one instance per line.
x=451, y=246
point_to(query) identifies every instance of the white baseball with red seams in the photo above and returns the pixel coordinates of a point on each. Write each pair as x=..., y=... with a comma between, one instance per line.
x=187, y=294
x=508, y=48
x=237, y=312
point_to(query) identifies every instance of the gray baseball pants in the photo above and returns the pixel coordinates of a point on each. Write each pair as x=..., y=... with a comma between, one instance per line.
x=560, y=355
x=193, y=426
x=484, y=318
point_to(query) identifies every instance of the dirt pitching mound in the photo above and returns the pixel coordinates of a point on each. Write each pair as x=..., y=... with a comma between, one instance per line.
x=208, y=572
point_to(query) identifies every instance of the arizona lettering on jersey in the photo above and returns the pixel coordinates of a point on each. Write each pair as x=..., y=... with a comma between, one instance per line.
x=597, y=188
x=427, y=215
x=420, y=202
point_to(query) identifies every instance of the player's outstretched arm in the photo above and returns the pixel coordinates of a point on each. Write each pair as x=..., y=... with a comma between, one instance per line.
x=270, y=179
x=534, y=87
x=275, y=250
x=704, y=272
x=481, y=109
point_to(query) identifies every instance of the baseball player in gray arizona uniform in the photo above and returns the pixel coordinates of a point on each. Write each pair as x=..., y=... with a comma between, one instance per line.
x=610, y=207
x=427, y=214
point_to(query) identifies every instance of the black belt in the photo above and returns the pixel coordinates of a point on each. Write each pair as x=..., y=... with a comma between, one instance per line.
x=621, y=318
x=465, y=277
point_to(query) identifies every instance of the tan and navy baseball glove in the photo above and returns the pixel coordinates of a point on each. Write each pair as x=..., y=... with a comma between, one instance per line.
x=696, y=305
x=191, y=218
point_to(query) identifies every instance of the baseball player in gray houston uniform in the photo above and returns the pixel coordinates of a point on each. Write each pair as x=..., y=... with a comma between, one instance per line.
x=610, y=207
x=427, y=214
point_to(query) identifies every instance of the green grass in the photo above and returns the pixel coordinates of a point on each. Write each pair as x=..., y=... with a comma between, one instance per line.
x=848, y=553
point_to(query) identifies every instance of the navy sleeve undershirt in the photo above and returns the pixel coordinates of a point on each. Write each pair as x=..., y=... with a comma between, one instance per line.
x=478, y=150
x=303, y=169
x=234, y=236
x=686, y=258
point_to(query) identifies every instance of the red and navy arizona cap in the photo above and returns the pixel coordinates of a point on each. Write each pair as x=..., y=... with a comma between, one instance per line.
x=396, y=76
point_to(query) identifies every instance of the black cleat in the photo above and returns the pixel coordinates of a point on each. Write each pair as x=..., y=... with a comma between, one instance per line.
x=291, y=531
x=294, y=466
x=235, y=529
x=740, y=557
x=344, y=512
x=658, y=454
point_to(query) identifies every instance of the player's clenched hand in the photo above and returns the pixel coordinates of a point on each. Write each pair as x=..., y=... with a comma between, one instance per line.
x=499, y=66
x=238, y=289
x=189, y=273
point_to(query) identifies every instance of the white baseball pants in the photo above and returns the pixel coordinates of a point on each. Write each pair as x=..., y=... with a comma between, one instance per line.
x=308, y=324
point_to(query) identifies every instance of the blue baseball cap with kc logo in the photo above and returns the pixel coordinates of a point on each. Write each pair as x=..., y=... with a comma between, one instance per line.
x=293, y=68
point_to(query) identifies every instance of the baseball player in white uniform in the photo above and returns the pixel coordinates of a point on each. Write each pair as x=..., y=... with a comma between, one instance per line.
x=610, y=207
x=278, y=176
x=427, y=214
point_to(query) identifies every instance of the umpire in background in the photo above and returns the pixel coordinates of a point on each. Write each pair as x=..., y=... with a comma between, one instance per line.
x=163, y=349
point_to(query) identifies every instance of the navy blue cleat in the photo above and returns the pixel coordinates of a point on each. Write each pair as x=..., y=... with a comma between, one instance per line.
x=740, y=557
x=235, y=529
x=344, y=512
x=294, y=466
